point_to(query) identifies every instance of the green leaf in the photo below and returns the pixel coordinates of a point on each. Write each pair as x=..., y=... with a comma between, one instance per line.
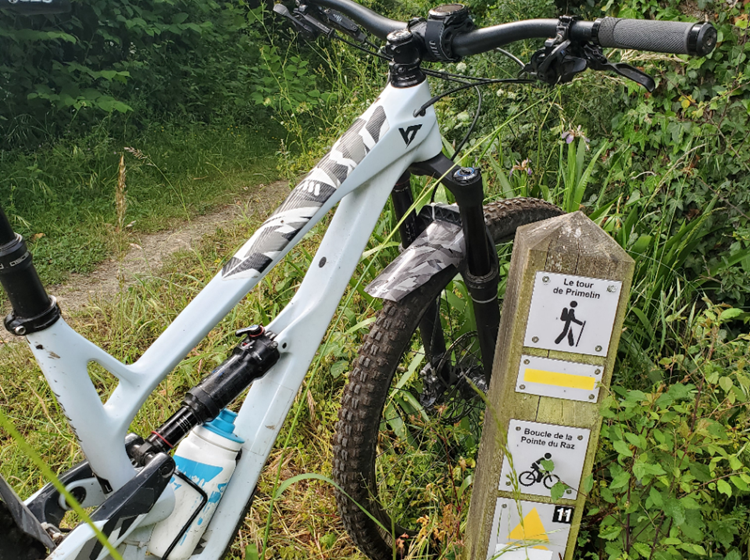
x=724, y=487
x=656, y=497
x=339, y=368
x=673, y=509
x=642, y=469
x=701, y=472
x=328, y=540
x=694, y=548
x=730, y=313
x=622, y=448
x=726, y=384
x=558, y=490
x=739, y=483
x=620, y=481
x=642, y=548
x=610, y=533
x=251, y=552
x=588, y=483
x=642, y=244
x=635, y=440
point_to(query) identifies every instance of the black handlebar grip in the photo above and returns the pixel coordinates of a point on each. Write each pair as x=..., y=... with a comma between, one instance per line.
x=658, y=36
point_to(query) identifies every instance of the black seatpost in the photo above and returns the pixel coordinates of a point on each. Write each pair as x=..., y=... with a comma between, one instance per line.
x=33, y=309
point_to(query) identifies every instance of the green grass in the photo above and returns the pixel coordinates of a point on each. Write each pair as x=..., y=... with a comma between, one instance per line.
x=62, y=197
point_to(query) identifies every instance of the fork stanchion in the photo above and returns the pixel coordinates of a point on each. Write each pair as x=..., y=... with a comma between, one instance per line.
x=563, y=312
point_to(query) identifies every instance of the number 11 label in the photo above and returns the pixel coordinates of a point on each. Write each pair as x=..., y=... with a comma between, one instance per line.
x=563, y=514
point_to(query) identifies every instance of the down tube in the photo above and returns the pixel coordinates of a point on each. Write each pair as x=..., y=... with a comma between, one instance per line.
x=300, y=329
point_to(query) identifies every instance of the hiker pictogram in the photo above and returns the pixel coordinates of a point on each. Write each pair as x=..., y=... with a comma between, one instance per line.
x=563, y=306
x=568, y=316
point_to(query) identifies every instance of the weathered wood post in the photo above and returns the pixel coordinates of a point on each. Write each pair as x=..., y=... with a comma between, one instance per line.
x=561, y=321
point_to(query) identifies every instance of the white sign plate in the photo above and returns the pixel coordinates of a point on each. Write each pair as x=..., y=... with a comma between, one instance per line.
x=530, y=443
x=572, y=313
x=543, y=534
x=559, y=379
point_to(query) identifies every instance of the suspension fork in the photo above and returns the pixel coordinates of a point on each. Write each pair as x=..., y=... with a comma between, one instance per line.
x=482, y=272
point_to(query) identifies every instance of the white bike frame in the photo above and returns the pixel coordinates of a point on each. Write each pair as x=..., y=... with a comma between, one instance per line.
x=359, y=172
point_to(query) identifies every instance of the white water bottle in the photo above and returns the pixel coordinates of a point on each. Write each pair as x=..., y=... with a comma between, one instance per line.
x=207, y=456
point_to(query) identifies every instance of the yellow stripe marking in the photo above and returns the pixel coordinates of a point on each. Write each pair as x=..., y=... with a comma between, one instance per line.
x=558, y=379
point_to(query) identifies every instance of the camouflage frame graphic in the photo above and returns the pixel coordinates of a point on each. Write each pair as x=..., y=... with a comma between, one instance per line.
x=309, y=195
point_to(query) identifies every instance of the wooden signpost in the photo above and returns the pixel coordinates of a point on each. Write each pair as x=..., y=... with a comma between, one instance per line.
x=561, y=321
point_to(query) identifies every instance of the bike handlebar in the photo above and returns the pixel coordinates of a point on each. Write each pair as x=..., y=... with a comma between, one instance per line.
x=647, y=35
x=378, y=25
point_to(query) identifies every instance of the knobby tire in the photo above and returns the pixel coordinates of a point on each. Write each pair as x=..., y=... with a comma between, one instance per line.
x=368, y=449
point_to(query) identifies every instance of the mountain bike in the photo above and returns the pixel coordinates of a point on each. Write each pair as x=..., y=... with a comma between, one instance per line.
x=411, y=411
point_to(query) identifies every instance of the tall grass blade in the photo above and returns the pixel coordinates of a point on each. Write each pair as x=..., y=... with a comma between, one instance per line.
x=49, y=475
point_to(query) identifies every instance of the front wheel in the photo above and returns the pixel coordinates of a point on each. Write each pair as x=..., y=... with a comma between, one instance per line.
x=410, y=423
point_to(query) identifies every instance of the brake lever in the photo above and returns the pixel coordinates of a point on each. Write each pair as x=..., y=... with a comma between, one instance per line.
x=345, y=25
x=560, y=62
x=305, y=23
x=597, y=61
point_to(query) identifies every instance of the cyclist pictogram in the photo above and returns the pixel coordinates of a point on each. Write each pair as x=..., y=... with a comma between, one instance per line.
x=539, y=474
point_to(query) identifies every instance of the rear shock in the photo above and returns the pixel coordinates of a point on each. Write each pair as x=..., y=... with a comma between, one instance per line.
x=250, y=360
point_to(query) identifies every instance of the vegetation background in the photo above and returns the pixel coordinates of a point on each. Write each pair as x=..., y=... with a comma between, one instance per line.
x=205, y=98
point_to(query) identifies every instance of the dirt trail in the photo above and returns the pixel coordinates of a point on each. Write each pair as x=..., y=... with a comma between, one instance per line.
x=148, y=251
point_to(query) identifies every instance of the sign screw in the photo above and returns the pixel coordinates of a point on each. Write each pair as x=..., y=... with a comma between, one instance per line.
x=507, y=483
x=592, y=397
x=580, y=438
x=568, y=491
x=536, y=339
x=527, y=362
x=611, y=288
x=505, y=505
x=598, y=348
x=518, y=428
x=598, y=371
x=545, y=279
x=522, y=387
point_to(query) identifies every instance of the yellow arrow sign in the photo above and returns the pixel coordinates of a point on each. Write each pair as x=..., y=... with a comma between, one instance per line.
x=530, y=529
